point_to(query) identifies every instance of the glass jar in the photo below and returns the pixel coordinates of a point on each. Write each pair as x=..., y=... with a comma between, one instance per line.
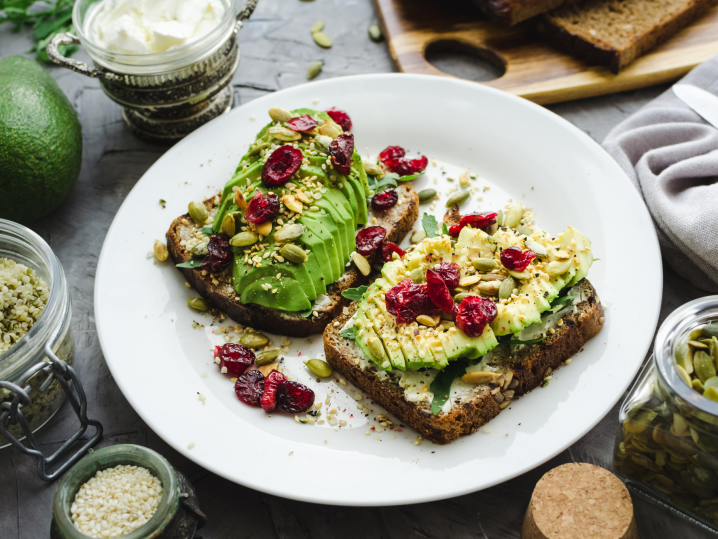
x=164, y=95
x=24, y=246
x=177, y=516
x=667, y=441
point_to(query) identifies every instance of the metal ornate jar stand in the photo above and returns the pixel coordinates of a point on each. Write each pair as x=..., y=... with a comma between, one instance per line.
x=165, y=95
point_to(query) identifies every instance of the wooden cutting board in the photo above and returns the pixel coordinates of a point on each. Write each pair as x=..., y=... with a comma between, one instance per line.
x=534, y=69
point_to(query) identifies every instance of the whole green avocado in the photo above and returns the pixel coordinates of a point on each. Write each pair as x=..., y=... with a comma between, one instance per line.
x=40, y=142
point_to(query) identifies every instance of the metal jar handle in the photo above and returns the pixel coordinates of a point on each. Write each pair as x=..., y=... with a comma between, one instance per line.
x=81, y=67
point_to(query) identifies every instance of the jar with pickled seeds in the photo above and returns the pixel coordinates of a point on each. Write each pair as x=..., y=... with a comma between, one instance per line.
x=667, y=438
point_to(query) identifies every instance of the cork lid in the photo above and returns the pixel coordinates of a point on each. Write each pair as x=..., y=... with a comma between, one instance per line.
x=579, y=500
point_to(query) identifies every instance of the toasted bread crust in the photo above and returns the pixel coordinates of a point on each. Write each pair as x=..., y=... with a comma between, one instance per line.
x=511, y=12
x=528, y=366
x=398, y=221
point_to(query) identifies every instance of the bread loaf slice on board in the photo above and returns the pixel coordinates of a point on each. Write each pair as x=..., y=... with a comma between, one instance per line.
x=218, y=290
x=514, y=11
x=479, y=404
x=613, y=33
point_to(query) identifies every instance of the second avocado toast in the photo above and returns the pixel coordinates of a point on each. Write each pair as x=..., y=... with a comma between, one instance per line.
x=271, y=251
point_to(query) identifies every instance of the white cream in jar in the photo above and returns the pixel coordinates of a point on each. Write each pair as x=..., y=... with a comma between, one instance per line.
x=149, y=26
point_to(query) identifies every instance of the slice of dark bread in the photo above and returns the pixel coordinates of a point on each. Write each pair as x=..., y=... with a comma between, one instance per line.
x=528, y=364
x=613, y=33
x=218, y=289
x=514, y=11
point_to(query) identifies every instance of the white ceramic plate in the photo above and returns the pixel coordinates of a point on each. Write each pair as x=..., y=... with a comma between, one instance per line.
x=518, y=149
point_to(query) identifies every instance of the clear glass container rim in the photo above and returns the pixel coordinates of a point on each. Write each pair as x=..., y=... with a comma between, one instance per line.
x=674, y=327
x=55, y=309
x=118, y=455
x=183, y=55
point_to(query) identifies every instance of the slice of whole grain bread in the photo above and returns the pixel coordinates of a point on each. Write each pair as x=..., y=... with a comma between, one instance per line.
x=475, y=407
x=218, y=289
x=613, y=33
x=514, y=11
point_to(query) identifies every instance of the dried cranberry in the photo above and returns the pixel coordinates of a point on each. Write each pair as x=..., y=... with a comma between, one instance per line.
x=271, y=383
x=249, y=387
x=515, y=259
x=408, y=300
x=449, y=273
x=262, y=207
x=388, y=248
x=476, y=220
x=280, y=166
x=340, y=117
x=438, y=292
x=474, y=314
x=392, y=152
x=341, y=151
x=369, y=239
x=219, y=255
x=294, y=397
x=404, y=166
x=303, y=124
x=236, y=358
x=385, y=200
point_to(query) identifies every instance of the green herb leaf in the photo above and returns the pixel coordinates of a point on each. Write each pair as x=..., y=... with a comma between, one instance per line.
x=431, y=227
x=532, y=341
x=192, y=263
x=46, y=22
x=207, y=231
x=595, y=259
x=355, y=294
x=444, y=229
x=306, y=313
x=348, y=333
x=409, y=177
x=388, y=180
x=441, y=386
x=562, y=299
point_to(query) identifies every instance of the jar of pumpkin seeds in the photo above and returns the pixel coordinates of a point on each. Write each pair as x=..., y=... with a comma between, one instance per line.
x=667, y=442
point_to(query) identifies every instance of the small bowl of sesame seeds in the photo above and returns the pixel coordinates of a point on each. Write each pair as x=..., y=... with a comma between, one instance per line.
x=35, y=309
x=125, y=491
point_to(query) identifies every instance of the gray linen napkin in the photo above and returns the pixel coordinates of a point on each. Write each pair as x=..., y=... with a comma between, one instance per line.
x=671, y=156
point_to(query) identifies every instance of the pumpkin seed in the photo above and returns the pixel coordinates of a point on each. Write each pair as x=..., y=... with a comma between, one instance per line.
x=314, y=69
x=514, y=215
x=683, y=374
x=684, y=357
x=697, y=385
x=464, y=180
x=292, y=204
x=278, y=114
x=479, y=377
x=500, y=218
x=490, y=288
x=289, y=233
x=361, y=263
x=228, y=226
x=319, y=367
x=266, y=369
x=469, y=280
x=375, y=33
x=161, y=251
x=257, y=148
x=703, y=365
x=317, y=27
x=417, y=275
x=200, y=249
x=329, y=129
x=427, y=195
x=322, y=39
x=711, y=393
x=375, y=170
x=507, y=288
x=199, y=304
x=293, y=253
x=698, y=344
x=641, y=422
x=557, y=268
x=493, y=277
x=458, y=298
x=457, y=198
x=679, y=424
x=264, y=229
x=376, y=348
x=198, y=213
x=711, y=330
x=426, y=320
x=418, y=236
x=244, y=239
x=267, y=357
x=485, y=264
x=713, y=351
x=537, y=248
x=253, y=340
x=519, y=274
x=695, y=334
x=284, y=134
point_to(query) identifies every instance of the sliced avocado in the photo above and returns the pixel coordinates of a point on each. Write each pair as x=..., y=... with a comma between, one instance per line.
x=358, y=167
x=394, y=272
x=244, y=274
x=574, y=240
x=388, y=335
x=341, y=227
x=343, y=207
x=316, y=227
x=541, y=291
x=355, y=182
x=514, y=317
x=364, y=334
x=317, y=261
x=290, y=295
x=346, y=188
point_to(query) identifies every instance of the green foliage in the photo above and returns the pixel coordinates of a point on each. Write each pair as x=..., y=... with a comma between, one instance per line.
x=431, y=227
x=441, y=386
x=348, y=333
x=355, y=294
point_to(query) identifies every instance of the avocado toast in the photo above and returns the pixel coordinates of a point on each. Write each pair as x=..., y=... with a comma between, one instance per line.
x=467, y=321
x=272, y=250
